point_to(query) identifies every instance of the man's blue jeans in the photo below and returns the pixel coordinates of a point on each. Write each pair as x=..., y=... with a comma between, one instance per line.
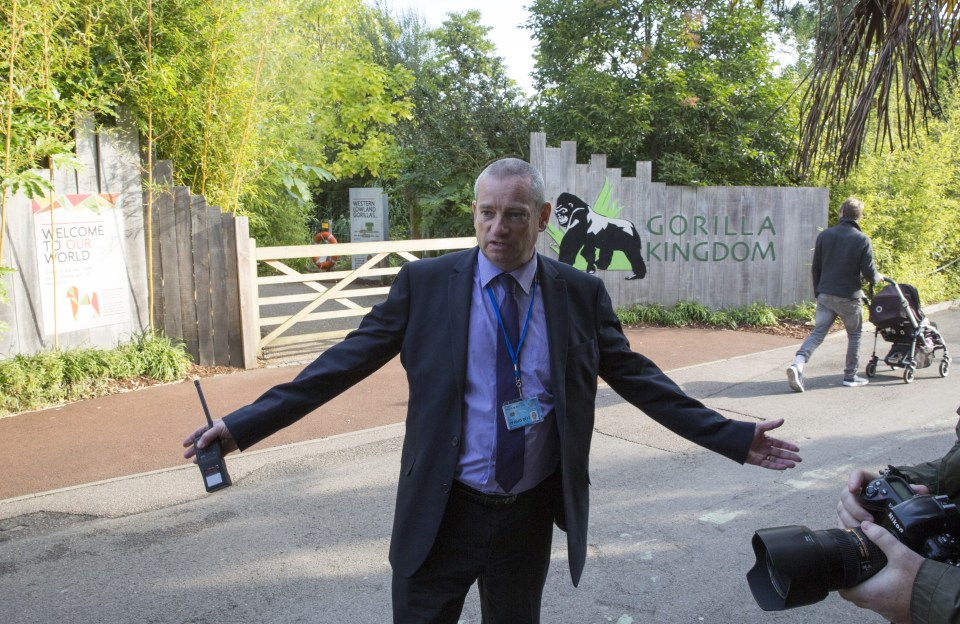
x=850, y=311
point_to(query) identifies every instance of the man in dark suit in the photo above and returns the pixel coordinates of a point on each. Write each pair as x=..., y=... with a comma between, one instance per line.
x=502, y=371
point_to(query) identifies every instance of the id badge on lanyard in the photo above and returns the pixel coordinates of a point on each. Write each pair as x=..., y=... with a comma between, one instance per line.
x=521, y=412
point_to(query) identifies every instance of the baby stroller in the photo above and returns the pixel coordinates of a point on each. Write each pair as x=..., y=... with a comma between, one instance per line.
x=896, y=314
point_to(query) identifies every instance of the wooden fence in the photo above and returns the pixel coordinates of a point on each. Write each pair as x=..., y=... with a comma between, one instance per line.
x=196, y=295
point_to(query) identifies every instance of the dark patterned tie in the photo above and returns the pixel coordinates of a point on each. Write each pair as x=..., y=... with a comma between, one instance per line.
x=509, y=443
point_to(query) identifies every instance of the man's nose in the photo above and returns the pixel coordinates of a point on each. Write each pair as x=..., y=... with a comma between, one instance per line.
x=499, y=223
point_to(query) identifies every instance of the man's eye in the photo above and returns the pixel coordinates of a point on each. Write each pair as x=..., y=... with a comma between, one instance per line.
x=518, y=216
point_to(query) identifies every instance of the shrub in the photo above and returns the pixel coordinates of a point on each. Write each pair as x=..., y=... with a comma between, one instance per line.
x=52, y=377
x=686, y=313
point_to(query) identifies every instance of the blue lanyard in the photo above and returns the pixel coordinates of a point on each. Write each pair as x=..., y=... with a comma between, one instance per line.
x=514, y=354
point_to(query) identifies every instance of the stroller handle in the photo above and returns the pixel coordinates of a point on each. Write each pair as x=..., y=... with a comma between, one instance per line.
x=882, y=279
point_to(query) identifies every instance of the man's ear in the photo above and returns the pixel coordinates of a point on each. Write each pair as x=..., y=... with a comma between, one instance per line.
x=544, y=216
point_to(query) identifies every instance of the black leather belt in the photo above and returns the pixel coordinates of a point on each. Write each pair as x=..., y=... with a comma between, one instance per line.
x=489, y=500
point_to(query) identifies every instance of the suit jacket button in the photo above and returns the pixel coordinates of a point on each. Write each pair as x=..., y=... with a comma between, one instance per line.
x=445, y=487
x=455, y=441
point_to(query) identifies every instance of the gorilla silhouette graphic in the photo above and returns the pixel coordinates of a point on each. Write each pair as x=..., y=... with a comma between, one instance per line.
x=588, y=232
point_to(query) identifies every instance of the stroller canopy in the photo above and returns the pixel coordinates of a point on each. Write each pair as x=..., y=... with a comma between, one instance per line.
x=887, y=308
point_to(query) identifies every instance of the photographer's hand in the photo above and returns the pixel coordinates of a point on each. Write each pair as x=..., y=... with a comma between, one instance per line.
x=769, y=452
x=208, y=435
x=850, y=513
x=888, y=593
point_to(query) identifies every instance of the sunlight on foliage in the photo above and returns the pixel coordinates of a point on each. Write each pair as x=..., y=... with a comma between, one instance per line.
x=912, y=212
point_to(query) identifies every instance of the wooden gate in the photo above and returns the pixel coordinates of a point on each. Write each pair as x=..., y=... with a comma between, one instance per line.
x=332, y=302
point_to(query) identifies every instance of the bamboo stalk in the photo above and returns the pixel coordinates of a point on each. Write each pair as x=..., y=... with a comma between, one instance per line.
x=210, y=79
x=150, y=292
x=51, y=195
x=53, y=258
x=235, y=182
x=6, y=165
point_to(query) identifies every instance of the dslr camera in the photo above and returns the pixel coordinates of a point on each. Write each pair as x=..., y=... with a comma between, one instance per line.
x=796, y=566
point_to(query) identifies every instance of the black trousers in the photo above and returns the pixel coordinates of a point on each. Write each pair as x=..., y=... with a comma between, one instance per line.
x=504, y=548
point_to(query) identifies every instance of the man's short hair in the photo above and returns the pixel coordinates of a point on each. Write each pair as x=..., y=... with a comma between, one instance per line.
x=515, y=167
x=851, y=208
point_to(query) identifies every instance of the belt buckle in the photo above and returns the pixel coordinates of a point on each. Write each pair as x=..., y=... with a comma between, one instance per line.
x=481, y=498
x=500, y=501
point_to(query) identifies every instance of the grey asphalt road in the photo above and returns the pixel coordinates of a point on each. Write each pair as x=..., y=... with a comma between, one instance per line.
x=302, y=536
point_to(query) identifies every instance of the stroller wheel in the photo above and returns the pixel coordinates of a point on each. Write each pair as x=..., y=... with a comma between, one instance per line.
x=944, y=367
x=908, y=374
x=871, y=369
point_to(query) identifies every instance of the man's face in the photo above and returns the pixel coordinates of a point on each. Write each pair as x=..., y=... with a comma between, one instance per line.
x=506, y=224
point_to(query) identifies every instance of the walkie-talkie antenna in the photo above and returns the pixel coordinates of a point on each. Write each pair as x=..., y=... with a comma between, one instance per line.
x=203, y=401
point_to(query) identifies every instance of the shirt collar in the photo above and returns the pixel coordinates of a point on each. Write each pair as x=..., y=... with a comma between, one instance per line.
x=523, y=274
x=851, y=222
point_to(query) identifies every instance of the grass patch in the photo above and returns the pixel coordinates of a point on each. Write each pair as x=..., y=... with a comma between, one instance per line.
x=31, y=382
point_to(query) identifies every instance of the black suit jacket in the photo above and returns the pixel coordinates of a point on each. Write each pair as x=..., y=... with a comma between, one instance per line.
x=425, y=320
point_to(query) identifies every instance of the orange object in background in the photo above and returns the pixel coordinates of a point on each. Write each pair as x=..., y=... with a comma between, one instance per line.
x=323, y=237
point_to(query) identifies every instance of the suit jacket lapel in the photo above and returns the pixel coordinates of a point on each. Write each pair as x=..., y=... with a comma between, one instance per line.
x=555, y=309
x=460, y=293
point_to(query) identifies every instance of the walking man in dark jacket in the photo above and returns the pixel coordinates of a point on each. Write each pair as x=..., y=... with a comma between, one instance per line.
x=842, y=258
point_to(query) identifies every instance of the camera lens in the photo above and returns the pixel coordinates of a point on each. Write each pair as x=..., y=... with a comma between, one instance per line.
x=780, y=582
x=796, y=566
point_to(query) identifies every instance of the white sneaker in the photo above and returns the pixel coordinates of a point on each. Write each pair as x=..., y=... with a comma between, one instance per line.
x=795, y=378
x=856, y=381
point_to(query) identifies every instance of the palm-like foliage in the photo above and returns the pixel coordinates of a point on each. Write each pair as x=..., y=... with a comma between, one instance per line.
x=876, y=59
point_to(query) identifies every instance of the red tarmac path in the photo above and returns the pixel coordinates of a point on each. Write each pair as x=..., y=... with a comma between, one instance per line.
x=141, y=431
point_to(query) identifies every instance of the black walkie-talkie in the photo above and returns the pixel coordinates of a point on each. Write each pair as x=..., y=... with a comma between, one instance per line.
x=210, y=458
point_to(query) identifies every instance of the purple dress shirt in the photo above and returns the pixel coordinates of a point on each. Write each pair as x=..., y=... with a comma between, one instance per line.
x=476, y=465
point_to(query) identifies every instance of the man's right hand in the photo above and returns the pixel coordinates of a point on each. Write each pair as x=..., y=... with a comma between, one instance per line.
x=208, y=435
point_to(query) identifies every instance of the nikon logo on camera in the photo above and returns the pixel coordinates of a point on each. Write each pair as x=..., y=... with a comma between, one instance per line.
x=896, y=523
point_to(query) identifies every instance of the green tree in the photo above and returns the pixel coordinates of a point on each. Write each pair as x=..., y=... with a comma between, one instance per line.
x=49, y=81
x=689, y=86
x=254, y=102
x=467, y=113
x=297, y=64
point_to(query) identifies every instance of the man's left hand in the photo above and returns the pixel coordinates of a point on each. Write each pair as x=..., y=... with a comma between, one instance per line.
x=890, y=591
x=769, y=452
